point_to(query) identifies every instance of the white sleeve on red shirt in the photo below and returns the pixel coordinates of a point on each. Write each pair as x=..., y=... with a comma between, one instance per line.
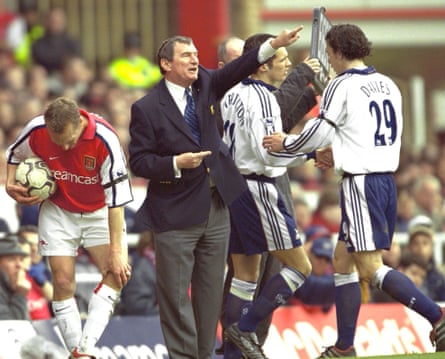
x=113, y=172
x=20, y=149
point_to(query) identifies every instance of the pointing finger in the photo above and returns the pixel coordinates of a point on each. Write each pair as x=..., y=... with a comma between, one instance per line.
x=203, y=154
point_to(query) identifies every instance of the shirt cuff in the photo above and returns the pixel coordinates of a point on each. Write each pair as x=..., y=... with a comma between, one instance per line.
x=310, y=155
x=266, y=51
x=176, y=170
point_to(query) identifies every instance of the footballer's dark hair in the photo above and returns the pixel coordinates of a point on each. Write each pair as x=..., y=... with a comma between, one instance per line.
x=349, y=40
x=255, y=41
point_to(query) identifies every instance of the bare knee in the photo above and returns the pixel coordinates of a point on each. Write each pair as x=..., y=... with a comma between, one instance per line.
x=64, y=287
x=305, y=268
x=248, y=274
x=295, y=258
x=246, y=268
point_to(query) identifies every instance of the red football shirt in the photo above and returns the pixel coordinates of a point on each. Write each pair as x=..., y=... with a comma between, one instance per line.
x=90, y=175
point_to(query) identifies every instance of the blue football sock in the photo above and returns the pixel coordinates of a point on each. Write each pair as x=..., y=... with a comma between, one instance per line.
x=238, y=301
x=402, y=289
x=276, y=292
x=347, y=304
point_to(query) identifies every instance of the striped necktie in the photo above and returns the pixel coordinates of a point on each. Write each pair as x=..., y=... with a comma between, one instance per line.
x=190, y=116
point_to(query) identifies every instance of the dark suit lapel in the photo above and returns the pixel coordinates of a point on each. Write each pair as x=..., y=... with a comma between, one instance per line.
x=171, y=110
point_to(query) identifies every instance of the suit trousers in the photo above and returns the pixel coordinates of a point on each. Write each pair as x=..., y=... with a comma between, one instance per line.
x=196, y=257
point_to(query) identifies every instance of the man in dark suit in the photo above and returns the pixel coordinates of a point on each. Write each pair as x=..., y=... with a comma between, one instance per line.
x=192, y=179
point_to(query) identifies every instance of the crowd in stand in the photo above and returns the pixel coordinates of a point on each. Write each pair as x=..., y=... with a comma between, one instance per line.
x=29, y=79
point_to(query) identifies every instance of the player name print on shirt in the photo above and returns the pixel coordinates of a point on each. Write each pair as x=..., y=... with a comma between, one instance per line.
x=373, y=87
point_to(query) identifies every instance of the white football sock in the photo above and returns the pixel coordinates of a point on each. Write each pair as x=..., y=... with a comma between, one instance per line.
x=68, y=320
x=100, y=309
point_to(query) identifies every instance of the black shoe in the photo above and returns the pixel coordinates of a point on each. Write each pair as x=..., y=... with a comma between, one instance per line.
x=247, y=342
x=220, y=349
x=333, y=352
x=437, y=335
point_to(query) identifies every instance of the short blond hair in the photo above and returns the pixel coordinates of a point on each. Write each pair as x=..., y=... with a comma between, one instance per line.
x=60, y=113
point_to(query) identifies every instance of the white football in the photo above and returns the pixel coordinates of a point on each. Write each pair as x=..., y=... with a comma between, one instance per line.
x=34, y=174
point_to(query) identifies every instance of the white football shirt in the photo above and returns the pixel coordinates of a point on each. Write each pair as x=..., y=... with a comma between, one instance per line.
x=250, y=111
x=361, y=117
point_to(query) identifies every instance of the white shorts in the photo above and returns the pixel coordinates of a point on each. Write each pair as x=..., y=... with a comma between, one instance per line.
x=369, y=211
x=260, y=221
x=62, y=232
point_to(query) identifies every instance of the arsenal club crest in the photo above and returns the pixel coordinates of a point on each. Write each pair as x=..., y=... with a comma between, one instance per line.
x=89, y=162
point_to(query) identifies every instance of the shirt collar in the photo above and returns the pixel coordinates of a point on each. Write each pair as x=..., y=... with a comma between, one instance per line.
x=360, y=70
x=248, y=81
x=90, y=130
x=177, y=92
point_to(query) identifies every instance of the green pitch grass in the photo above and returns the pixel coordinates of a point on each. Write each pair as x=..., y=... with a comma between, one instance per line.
x=410, y=356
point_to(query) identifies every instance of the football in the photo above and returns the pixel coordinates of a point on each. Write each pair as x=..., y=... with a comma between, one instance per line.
x=34, y=174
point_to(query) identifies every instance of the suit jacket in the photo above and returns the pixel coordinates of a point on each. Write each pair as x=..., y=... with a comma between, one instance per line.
x=158, y=132
x=295, y=97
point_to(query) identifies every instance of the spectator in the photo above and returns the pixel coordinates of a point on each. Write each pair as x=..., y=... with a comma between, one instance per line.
x=38, y=304
x=73, y=78
x=24, y=30
x=303, y=214
x=440, y=170
x=38, y=347
x=307, y=175
x=420, y=220
x=133, y=70
x=38, y=268
x=13, y=301
x=6, y=61
x=55, y=46
x=429, y=154
x=229, y=49
x=95, y=97
x=313, y=232
x=27, y=107
x=321, y=248
x=409, y=169
x=6, y=16
x=139, y=295
x=7, y=119
x=27, y=215
x=38, y=83
x=420, y=242
x=328, y=213
x=405, y=209
x=427, y=192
